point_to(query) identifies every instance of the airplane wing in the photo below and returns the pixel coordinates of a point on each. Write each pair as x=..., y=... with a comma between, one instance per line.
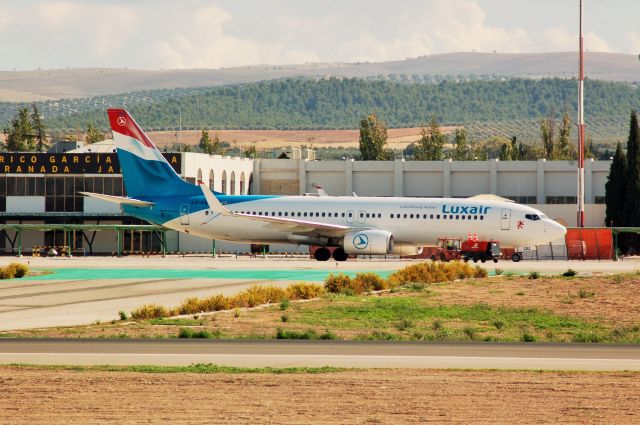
x=118, y=199
x=299, y=227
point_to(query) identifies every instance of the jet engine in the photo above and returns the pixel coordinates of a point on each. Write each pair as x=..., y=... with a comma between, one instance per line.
x=402, y=249
x=377, y=242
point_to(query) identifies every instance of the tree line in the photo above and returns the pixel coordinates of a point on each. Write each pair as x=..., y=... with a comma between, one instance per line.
x=622, y=190
x=340, y=103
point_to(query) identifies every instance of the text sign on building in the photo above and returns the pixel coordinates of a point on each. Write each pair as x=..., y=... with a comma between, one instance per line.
x=69, y=163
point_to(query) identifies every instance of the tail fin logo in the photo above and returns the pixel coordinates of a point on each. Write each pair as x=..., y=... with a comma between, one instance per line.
x=122, y=121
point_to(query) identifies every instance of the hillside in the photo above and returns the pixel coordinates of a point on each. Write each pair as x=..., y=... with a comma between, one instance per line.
x=24, y=86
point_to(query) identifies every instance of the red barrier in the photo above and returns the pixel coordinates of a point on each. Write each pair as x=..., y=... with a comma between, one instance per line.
x=589, y=243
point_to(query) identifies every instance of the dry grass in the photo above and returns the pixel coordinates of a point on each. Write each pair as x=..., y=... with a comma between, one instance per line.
x=432, y=272
x=14, y=270
x=251, y=297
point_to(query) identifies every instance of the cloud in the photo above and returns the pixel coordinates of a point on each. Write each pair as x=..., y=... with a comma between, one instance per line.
x=562, y=39
x=632, y=39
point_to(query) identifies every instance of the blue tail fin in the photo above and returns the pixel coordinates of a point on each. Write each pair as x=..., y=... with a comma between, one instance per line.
x=145, y=171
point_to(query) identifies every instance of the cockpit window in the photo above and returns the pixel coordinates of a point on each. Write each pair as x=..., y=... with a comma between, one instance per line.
x=533, y=217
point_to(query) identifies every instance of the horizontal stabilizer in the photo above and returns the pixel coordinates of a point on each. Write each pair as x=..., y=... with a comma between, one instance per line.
x=121, y=200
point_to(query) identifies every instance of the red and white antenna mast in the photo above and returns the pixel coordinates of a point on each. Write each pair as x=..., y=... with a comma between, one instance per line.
x=581, y=129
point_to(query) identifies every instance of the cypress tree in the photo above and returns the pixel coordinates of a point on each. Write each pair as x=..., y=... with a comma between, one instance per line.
x=632, y=200
x=615, y=189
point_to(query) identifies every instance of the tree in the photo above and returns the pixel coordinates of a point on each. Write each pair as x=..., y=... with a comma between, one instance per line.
x=215, y=144
x=461, y=150
x=564, y=148
x=205, y=142
x=506, y=153
x=251, y=151
x=632, y=200
x=39, y=130
x=373, y=138
x=20, y=136
x=93, y=135
x=547, y=134
x=431, y=143
x=615, y=189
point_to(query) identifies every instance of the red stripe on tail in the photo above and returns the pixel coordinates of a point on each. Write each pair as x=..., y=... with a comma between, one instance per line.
x=124, y=123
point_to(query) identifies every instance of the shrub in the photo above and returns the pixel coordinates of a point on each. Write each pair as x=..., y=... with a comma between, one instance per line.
x=123, y=315
x=150, y=311
x=583, y=293
x=436, y=325
x=404, y=325
x=499, y=324
x=288, y=334
x=431, y=272
x=190, y=306
x=526, y=337
x=284, y=304
x=337, y=283
x=534, y=275
x=284, y=318
x=369, y=282
x=498, y=271
x=216, y=303
x=256, y=295
x=14, y=270
x=569, y=273
x=618, y=279
x=470, y=333
x=304, y=291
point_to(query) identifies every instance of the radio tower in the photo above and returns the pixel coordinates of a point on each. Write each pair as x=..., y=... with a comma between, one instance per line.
x=581, y=129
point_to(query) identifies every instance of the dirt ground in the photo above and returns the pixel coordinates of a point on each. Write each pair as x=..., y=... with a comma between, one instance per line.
x=358, y=397
x=268, y=139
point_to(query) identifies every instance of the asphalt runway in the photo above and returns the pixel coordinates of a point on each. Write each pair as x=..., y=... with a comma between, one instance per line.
x=347, y=354
x=81, y=290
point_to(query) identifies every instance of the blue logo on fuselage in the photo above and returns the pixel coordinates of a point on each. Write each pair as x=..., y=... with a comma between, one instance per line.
x=462, y=209
x=361, y=241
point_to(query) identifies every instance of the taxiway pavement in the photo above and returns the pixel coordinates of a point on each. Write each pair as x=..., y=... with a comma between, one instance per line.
x=346, y=354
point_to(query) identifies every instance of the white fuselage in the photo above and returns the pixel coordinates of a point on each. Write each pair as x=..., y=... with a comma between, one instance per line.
x=412, y=221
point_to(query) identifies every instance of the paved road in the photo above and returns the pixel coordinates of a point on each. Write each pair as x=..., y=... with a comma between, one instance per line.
x=322, y=353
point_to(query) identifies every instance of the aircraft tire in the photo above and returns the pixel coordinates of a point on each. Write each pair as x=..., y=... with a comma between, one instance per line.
x=340, y=255
x=322, y=254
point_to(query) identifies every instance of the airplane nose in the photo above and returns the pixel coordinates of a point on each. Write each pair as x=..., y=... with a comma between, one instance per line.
x=555, y=230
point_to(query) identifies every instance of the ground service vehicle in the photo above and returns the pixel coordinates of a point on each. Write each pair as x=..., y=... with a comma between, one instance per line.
x=473, y=249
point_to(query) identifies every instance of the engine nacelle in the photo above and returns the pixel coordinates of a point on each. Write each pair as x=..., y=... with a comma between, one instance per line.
x=377, y=242
x=399, y=249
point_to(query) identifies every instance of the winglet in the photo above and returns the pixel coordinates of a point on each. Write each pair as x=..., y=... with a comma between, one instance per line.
x=214, y=203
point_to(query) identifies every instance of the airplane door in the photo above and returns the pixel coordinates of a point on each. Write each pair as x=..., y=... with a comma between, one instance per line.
x=350, y=216
x=505, y=219
x=184, y=214
x=360, y=217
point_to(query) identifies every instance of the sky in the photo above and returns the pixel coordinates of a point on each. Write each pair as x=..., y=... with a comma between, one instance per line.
x=170, y=34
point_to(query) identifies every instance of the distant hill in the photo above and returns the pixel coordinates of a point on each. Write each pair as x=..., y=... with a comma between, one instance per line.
x=25, y=86
x=503, y=107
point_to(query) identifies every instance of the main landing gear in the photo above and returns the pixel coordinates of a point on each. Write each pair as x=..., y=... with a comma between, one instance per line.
x=323, y=254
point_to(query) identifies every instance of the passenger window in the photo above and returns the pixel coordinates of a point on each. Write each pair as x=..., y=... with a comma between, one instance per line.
x=286, y=214
x=405, y=216
x=463, y=217
x=323, y=214
x=342, y=214
x=481, y=217
x=280, y=213
x=361, y=215
x=431, y=216
x=317, y=214
x=475, y=217
x=391, y=216
x=367, y=215
x=438, y=216
x=457, y=217
x=350, y=214
x=468, y=217
x=305, y=214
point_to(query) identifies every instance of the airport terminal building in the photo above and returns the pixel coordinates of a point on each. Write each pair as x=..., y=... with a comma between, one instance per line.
x=42, y=189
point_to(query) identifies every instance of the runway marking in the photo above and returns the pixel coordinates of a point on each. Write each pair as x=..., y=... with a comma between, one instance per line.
x=122, y=297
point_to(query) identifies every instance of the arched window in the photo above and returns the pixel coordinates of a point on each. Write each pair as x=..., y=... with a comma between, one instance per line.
x=224, y=181
x=199, y=179
x=233, y=183
x=242, y=185
x=211, y=180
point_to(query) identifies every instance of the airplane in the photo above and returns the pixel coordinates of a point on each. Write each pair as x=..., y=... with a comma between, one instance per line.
x=350, y=225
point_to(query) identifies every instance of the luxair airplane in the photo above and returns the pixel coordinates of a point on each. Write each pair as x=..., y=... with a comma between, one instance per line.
x=353, y=225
